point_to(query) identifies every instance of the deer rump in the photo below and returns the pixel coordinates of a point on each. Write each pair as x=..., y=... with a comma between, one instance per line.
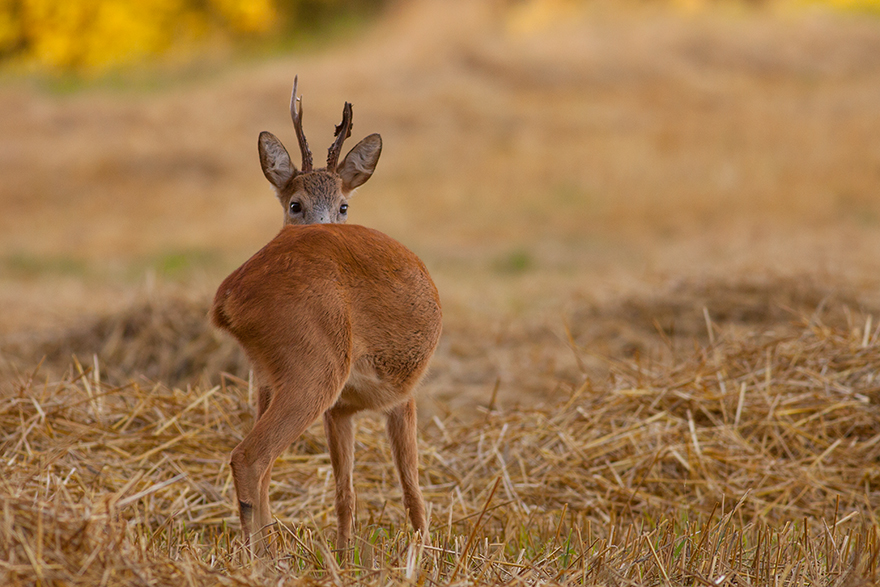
x=341, y=308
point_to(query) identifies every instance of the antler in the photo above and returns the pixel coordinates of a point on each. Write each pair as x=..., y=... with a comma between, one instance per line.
x=343, y=131
x=297, y=115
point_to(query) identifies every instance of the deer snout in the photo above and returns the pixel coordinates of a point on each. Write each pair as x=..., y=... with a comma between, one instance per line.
x=305, y=212
x=322, y=216
x=327, y=213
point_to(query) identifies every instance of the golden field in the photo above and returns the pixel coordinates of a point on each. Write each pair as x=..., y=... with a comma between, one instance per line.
x=656, y=239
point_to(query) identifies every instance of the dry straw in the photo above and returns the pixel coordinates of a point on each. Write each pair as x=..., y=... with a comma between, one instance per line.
x=751, y=461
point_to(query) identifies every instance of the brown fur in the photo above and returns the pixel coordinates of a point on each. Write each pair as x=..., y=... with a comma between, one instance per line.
x=335, y=319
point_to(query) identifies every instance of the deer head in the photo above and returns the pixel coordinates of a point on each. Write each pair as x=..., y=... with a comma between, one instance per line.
x=317, y=196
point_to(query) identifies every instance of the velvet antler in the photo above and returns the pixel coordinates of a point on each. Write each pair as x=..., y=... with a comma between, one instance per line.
x=343, y=131
x=296, y=113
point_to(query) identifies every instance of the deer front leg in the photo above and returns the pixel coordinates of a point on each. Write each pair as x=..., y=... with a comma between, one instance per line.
x=339, y=428
x=402, y=433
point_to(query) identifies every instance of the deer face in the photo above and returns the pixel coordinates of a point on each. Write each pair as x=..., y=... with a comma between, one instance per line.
x=317, y=196
x=316, y=199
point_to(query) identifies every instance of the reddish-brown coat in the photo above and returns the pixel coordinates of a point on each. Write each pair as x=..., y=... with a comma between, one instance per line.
x=335, y=319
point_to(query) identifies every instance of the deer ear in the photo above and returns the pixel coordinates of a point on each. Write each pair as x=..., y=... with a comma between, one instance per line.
x=359, y=164
x=275, y=161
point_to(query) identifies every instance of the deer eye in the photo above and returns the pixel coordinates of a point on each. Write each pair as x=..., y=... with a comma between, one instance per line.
x=343, y=209
x=295, y=207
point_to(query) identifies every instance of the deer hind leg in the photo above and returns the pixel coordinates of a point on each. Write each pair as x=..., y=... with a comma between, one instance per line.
x=264, y=389
x=264, y=396
x=401, y=427
x=293, y=408
x=262, y=513
x=339, y=427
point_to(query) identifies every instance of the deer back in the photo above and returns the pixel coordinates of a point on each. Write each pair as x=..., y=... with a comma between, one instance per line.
x=330, y=295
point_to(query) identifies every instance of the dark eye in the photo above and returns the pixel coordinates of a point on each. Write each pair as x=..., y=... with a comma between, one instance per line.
x=343, y=209
x=295, y=207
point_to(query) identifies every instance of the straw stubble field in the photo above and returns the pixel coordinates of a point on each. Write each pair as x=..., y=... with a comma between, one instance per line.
x=655, y=237
x=749, y=460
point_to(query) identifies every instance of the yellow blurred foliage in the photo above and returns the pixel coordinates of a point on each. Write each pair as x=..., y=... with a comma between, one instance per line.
x=862, y=5
x=94, y=35
x=249, y=16
x=97, y=34
x=8, y=25
x=536, y=15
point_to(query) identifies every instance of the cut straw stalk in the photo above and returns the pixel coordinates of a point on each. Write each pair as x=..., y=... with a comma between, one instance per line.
x=612, y=456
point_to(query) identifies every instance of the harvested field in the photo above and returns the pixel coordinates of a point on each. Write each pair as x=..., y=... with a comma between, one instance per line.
x=748, y=456
x=751, y=460
x=168, y=339
x=656, y=239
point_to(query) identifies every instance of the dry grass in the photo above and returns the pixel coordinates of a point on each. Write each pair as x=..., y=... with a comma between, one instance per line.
x=749, y=459
x=166, y=337
x=656, y=240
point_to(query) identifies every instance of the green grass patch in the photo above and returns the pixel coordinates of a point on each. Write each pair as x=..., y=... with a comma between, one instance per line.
x=514, y=262
x=26, y=265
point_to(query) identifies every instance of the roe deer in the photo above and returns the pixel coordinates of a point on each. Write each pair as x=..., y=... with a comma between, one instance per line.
x=317, y=196
x=335, y=319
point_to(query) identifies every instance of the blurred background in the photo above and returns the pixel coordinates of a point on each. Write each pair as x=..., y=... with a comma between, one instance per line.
x=571, y=171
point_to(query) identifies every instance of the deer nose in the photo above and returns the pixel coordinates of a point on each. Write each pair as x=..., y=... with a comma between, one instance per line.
x=322, y=217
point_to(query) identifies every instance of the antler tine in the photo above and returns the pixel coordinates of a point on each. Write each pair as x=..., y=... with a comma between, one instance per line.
x=343, y=131
x=296, y=113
